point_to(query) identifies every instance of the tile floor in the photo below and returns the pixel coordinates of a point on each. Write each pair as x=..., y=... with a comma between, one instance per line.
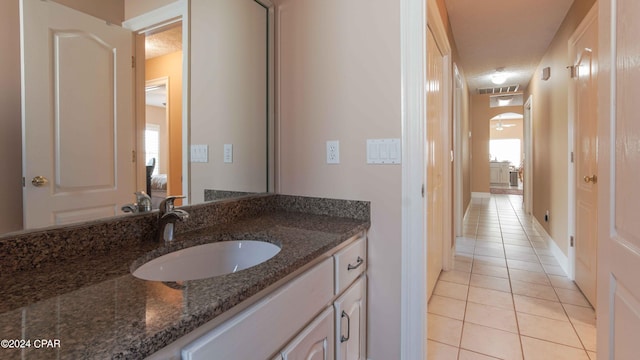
x=506, y=297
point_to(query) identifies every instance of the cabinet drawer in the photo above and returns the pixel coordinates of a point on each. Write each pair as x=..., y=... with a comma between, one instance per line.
x=350, y=262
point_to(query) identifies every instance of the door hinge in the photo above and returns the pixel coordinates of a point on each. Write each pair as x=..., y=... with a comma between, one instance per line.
x=422, y=190
x=133, y=62
x=571, y=241
x=133, y=156
x=24, y=182
x=572, y=71
x=572, y=157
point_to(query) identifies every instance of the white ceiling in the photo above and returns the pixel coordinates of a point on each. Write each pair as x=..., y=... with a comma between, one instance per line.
x=513, y=34
x=164, y=42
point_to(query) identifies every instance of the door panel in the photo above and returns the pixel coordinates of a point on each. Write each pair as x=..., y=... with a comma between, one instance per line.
x=435, y=166
x=618, y=201
x=584, y=51
x=315, y=342
x=77, y=115
x=76, y=100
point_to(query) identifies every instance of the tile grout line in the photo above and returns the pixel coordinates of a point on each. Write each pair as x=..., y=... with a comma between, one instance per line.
x=513, y=301
x=564, y=310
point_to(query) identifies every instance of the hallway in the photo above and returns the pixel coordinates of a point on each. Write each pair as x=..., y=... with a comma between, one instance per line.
x=506, y=296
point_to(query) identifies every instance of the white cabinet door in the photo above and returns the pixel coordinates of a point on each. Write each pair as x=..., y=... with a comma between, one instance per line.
x=494, y=174
x=315, y=342
x=260, y=330
x=351, y=322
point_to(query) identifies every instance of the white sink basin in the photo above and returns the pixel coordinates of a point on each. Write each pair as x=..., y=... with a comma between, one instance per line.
x=208, y=260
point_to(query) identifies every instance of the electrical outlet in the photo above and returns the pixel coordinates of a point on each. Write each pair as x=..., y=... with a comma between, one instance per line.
x=333, y=152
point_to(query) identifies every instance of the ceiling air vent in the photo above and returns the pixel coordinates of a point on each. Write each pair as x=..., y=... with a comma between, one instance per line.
x=499, y=90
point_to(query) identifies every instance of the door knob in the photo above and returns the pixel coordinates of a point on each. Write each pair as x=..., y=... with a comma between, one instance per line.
x=39, y=181
x=591, y=179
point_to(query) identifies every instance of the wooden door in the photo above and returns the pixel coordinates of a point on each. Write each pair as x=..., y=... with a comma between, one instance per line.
x=77, y=115
x=618, y=307
x=435, y=184
x=583, y=48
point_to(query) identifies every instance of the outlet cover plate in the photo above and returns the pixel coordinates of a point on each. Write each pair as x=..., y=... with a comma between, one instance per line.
x=228, y=153
x=333, y=152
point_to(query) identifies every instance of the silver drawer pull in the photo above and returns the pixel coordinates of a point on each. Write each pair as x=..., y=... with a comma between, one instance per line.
x=342, y=337
x=359, y=262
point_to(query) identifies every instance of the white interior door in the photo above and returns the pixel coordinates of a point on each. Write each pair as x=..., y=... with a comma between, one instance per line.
x=435, y=166
x=78, y=131
x=618, y=307
x=583, y=48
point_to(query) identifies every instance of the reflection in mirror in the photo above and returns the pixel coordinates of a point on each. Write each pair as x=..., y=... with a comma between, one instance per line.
x=229, y=116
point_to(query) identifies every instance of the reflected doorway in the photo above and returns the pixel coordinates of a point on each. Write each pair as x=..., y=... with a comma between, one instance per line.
x=163, y=112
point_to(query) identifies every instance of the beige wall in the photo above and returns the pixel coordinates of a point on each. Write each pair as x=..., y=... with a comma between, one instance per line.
x=10, y=118
x=228, y=97
x=170, y=66
x=133, y=8
x=342, y=82
x=550, y=130
x=481, y=115
x=109, y=10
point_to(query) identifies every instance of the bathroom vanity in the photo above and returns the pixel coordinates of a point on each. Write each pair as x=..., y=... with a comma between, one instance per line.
x=74, y=284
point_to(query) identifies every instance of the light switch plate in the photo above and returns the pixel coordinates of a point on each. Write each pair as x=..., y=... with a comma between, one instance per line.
x=199, y=153
x=228, y=153
x=333, y=152
x=384, y=151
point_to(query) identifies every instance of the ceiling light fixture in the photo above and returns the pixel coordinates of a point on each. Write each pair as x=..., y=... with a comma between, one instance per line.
x=499, y=77
x=505, y=100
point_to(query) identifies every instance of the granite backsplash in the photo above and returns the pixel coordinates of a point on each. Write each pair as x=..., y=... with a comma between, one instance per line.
x=34, y=249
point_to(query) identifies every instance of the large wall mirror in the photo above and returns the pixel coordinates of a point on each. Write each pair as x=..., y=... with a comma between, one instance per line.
x=198, y=121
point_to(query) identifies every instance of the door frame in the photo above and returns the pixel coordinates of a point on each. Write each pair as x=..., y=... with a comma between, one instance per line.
x=435, y=24
x=528, y=155
x=413, y=306
x=177, y=11
x=458, y=136
x=161, y=81
x=591, y=16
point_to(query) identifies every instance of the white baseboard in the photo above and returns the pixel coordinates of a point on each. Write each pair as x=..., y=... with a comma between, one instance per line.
x=480, y=195
x=562, y=259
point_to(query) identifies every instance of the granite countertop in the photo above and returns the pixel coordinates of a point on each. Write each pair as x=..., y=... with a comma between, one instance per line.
x=97, y=309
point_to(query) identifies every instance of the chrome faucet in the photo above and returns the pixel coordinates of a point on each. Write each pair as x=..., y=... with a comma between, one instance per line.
x=143, y=200
x=142, y=204
x=167, y=217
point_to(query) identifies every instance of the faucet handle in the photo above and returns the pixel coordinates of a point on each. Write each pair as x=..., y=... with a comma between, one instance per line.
x=167, y=204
